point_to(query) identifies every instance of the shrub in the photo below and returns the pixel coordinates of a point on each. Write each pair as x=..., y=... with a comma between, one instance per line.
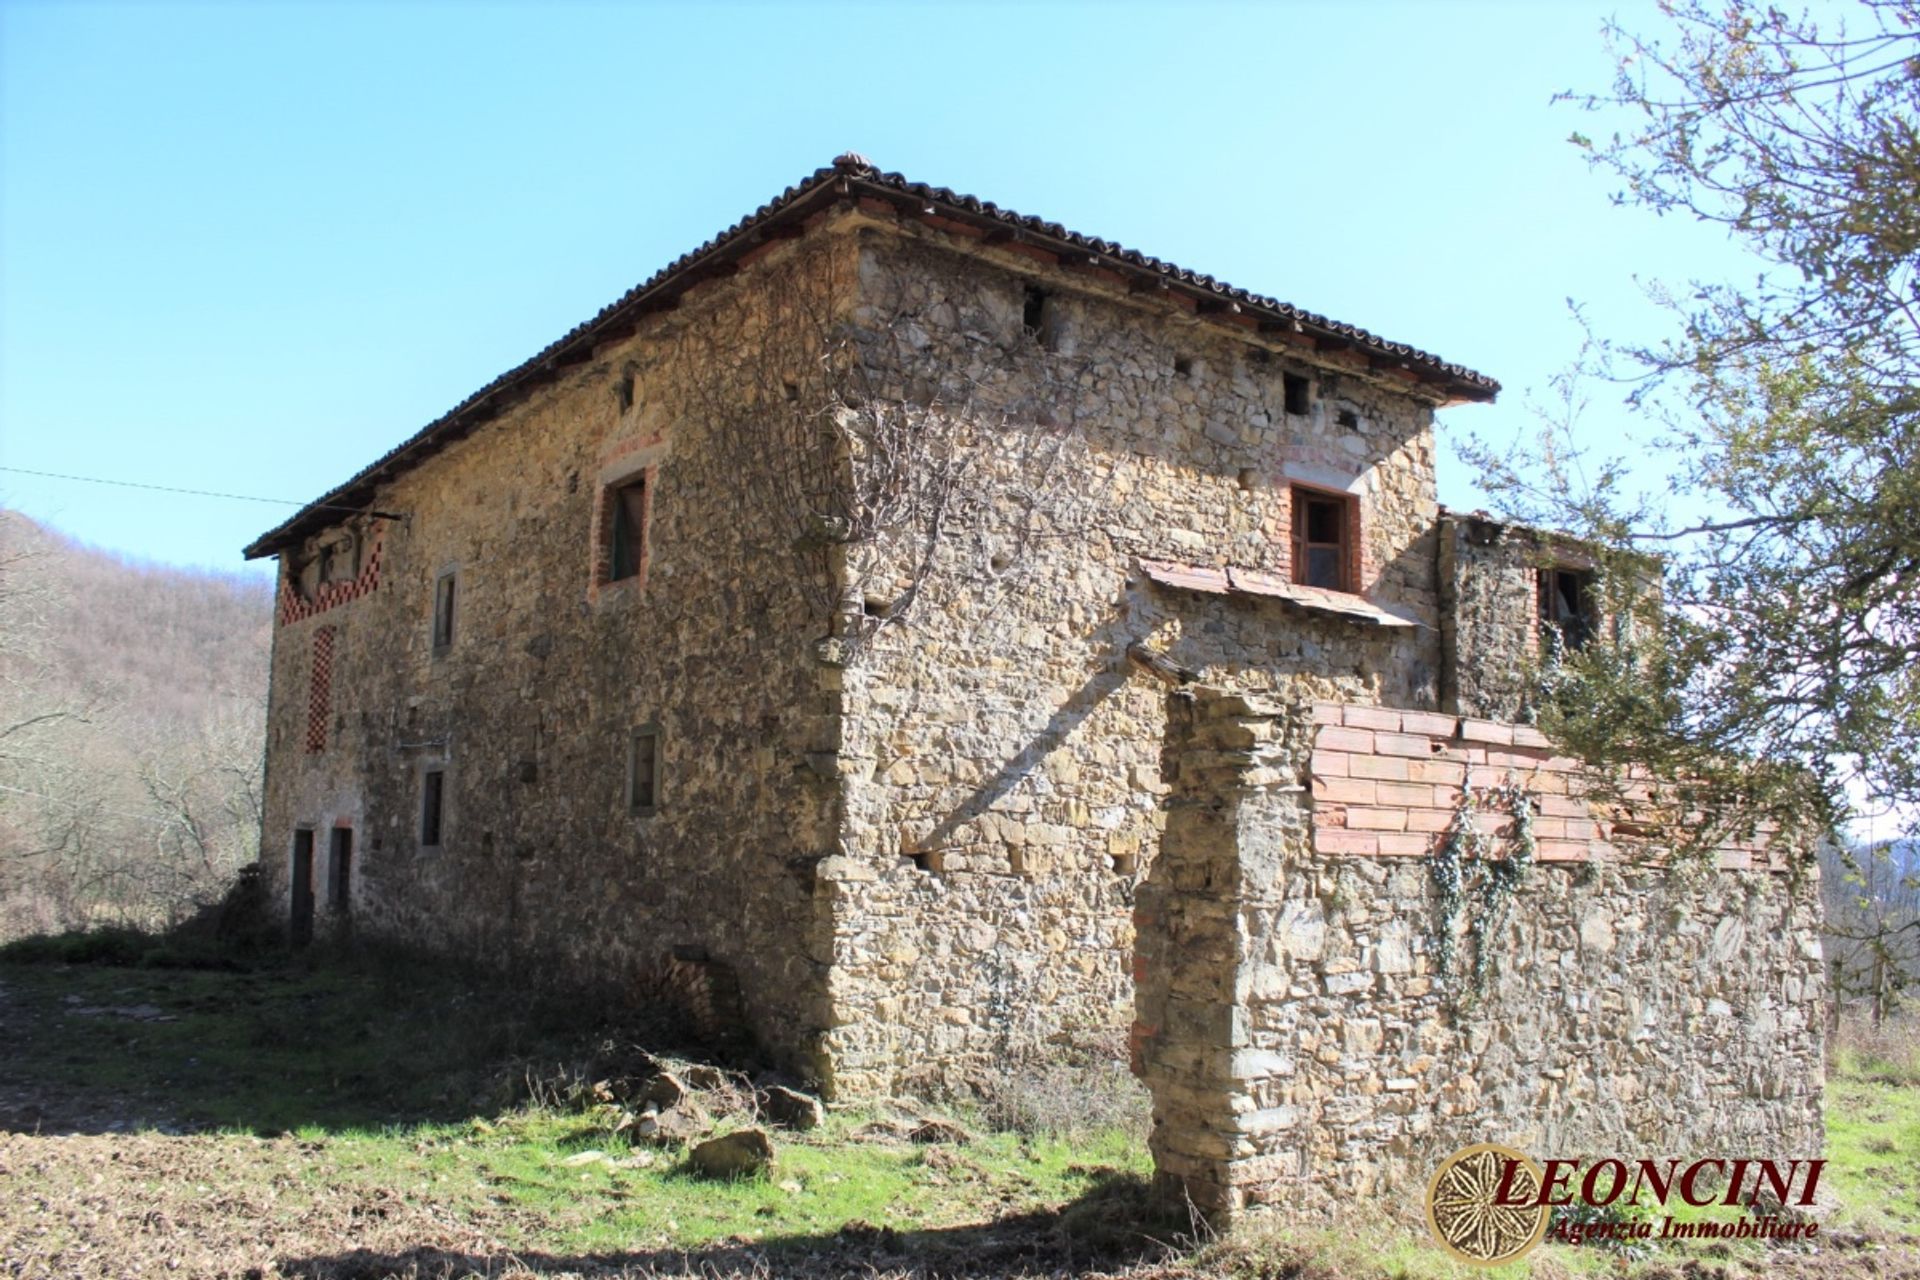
x=1888, y=1053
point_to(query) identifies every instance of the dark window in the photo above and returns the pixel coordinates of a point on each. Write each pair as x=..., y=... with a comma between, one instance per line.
x=1036, y=315
x=1298, y=392
x=643, y=771
x=300, y=905
x=340, y=871
x=1566, y=605
x=1322, y=540
x=627, y=537
x=1033, y=310
x=443, y=612
x=433, y=790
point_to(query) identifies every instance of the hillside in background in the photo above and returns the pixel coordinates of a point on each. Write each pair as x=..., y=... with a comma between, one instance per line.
x=132, y=714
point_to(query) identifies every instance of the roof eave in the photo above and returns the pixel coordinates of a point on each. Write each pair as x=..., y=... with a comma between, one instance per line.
x=849, y=179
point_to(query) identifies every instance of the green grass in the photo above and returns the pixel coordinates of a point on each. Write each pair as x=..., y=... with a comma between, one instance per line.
x=405, y=1087
x=405, y=1078
x=1873, y=1144
x=327, y=1045
x=820, y=1184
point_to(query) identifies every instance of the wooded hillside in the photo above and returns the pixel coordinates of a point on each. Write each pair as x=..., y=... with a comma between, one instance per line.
x=131, y=721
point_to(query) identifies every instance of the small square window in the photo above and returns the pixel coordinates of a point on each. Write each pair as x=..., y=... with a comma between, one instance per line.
x=1323, y=540
x=643, y=771
x=1299, y=393
x=627, y=529
x=1566, y=605
x=433, y=793
x=443, y=613
x=1037, y=318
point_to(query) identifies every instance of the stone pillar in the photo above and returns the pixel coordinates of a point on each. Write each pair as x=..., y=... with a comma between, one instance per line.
x=1237, y=818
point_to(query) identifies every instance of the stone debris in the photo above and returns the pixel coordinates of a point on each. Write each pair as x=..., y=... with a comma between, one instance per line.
x=791, y=1109
x=733, y=1155
x=674, y=1127
x=932, y=1129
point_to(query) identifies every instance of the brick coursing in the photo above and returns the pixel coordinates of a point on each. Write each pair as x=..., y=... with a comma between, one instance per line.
x=320, y=689
x=329, y=595
x=1304, y=1047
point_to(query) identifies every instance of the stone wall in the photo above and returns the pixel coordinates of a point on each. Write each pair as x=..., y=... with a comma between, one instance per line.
x=909, y=789
x=1001, y=762
x=1489, y=626
x=542, y=868
x=1304, y=1045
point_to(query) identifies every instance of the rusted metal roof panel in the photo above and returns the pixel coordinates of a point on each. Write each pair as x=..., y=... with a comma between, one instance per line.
x=1255, y=582
x=1187, y=577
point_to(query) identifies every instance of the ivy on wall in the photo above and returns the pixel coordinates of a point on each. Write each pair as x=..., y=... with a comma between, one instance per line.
x=1474, y=884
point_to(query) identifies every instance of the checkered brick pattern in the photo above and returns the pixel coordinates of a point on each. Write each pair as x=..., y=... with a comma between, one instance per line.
x=320, y=689
x=294, y=609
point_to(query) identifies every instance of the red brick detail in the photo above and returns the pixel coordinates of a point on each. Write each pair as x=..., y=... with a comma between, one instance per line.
x=295, y=608
x=600, y=557
x=1356, y=740
x=1379, y=768
x=1487, y=731
x=1345, y=790
x=1434, y=726
x=1329, y=764
x=1385, y=783
x=320, y=690
x=1337, y=841
x=1371, y=718
x=1377, y=819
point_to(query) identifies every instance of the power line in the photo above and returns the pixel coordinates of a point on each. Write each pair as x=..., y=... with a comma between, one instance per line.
x=199, y=493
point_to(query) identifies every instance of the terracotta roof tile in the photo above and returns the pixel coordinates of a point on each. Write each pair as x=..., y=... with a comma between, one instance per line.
x=1254, y=582
x=849, y=176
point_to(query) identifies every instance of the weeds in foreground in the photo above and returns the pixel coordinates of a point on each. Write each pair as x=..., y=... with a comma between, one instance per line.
x=1888, y=1053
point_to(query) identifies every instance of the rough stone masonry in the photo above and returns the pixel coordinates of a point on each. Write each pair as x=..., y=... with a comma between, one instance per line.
x=773, y=640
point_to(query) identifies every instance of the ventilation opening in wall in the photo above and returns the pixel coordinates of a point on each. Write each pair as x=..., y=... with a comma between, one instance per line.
x=1348, y=419
x=792, y=390
x=623, y=391
x=875, y=607
x=1183, y=366
x=1036, y=315
x=1122, y=864
x=927, y=860
x=1299, y=392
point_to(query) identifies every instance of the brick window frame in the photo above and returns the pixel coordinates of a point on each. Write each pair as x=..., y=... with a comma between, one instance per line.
x=1551, y=592
x=1301, y=500
x=624, y=510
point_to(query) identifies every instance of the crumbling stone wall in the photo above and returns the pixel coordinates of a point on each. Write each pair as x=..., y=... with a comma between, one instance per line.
x=1489, y=623
x=1001, y=764
x=542, y=869
x=1304, y=1046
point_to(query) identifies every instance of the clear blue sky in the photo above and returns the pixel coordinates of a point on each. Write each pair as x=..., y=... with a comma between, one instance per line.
x=249, y=248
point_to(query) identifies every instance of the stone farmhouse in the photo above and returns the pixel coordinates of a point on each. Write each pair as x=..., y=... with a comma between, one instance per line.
x=915, y=631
